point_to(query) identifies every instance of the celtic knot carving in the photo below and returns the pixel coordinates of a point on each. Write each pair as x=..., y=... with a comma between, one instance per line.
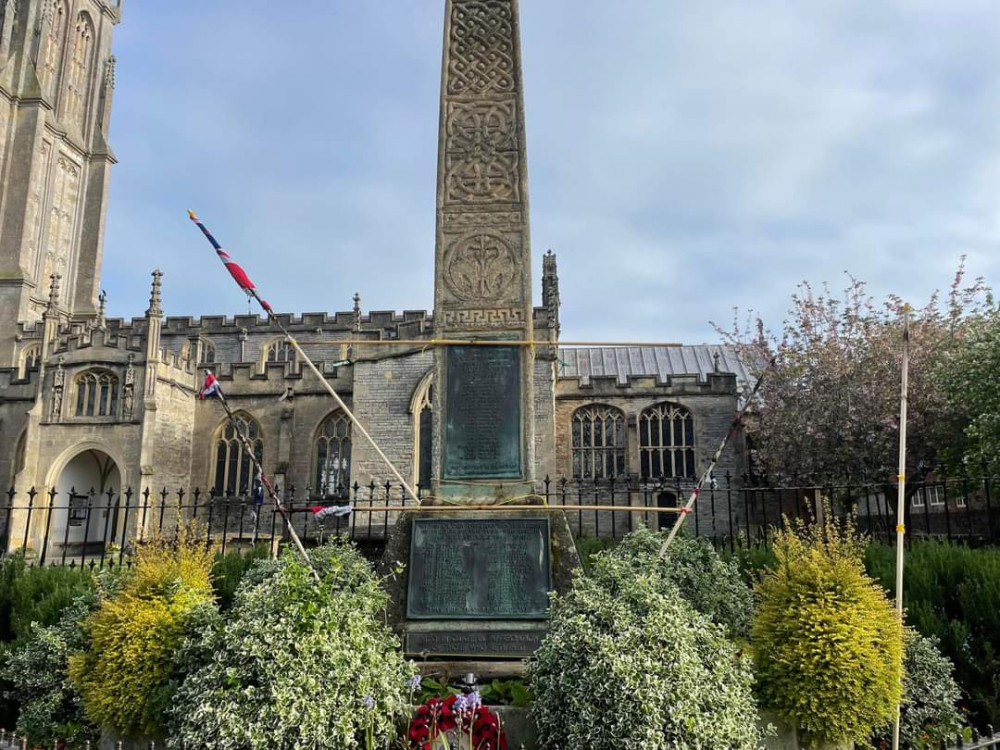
x=481, y=55
x=482, y=147
x=481, y=267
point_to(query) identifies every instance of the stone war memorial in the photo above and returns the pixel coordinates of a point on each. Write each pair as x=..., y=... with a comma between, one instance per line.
x=476, y=582
x=451, y=527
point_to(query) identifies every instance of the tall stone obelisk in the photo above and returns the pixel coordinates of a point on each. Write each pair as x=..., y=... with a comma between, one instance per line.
x=482, y=283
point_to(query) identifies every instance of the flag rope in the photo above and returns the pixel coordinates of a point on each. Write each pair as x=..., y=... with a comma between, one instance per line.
x=703, y=480
x=244, y=282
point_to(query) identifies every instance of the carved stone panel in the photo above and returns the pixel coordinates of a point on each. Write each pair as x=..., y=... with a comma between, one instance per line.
x=482, y=267
x=481, y=48
x=482, y=159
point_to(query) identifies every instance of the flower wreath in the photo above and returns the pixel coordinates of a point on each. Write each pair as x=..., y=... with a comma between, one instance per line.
x=457, y=712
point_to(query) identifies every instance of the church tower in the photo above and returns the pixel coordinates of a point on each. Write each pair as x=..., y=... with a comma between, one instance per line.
x=56, y=84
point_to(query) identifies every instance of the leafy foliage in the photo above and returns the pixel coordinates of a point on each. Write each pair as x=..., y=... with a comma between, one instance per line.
x=968, y=378
x=930, y=696
x=51, y=709
x=827, y=643
x=628, y=663
x=830, y=405
x=228, y=570
x=127, y=674
x=951, y=593
x=36, y=594
x=711, y=585
x=296, y=662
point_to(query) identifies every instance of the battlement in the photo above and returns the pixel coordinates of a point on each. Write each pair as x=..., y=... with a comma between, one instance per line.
x=332, y=322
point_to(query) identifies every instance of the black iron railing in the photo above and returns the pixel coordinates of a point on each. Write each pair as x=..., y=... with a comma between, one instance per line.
x=97, y=529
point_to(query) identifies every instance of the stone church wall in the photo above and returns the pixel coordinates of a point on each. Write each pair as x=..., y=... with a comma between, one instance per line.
x=384, y=390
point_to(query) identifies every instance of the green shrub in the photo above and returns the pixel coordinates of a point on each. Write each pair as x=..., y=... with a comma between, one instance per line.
x=51, y=709
x=228, y=570
x=588, y=546
x=36, y=594
x=127, y=674
x=713, y=586
x=827, y=643
x=297, y=663
x=951, y=593
x=930, y=696
x=628, y=663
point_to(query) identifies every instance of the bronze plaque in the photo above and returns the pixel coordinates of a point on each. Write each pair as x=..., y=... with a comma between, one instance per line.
x=518, y=644
x=482, y=413
x=479, y=569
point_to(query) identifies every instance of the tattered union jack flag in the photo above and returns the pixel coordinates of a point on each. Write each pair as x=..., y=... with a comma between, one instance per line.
x=210, y=388
x=234, y=268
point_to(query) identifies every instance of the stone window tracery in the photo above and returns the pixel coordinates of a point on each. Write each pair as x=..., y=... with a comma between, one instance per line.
x=207, y=352
x=666, y=442
x=54, y=44
x=333, y=456
x=233, y=473
x=598, y=442
x=79, y=70
x=279, y=350
x=31, y=358
x=96, y=394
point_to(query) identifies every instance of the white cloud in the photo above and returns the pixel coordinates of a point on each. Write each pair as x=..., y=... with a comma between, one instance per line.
x=684, y=158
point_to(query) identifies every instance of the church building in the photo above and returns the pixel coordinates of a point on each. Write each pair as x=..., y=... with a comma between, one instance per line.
x=93, y=403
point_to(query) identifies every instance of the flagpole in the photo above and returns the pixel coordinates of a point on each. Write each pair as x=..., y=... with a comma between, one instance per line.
x=733, y=429
x=248, y=449
x=901, y=498
x=241, y=278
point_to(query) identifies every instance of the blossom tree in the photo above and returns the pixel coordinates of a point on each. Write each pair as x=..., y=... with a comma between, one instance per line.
x=829, y=407
x=968, y=377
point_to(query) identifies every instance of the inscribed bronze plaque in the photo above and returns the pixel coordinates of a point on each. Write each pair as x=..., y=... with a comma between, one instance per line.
x=482, y=413
x=479, y=569
x=480, y=643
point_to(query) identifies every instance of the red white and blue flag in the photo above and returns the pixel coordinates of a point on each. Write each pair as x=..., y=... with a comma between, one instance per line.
x=234, y=268
x=210, y=388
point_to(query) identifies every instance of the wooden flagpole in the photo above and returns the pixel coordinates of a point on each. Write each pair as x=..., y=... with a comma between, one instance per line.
x=243, y=281
x=703, y=480
x=901, y=497
x=336, y=397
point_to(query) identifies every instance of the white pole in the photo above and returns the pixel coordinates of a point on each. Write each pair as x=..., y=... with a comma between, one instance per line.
x=901, y=496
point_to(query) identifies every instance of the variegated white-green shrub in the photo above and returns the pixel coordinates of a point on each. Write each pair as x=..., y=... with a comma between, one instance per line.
x=628, y=664
x=713, y=586
x=296, y=663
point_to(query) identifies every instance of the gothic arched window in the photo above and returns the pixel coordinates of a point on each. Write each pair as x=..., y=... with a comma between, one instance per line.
x=666, y=442
x=207, y=352
x=79, y=70
x=422, y=409
x=54, y=44
x=598, y=442
x=96, y=394
x=31, y=357
x=333, y=455
x=234, y=471
x=279, y=350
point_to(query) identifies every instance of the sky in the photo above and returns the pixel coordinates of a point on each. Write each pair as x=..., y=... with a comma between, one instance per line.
x=685, y=158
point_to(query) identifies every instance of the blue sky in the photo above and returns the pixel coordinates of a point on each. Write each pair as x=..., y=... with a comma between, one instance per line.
x=685, y=157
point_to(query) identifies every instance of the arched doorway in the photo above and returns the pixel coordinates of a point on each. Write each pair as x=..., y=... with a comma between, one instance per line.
x=85, y=513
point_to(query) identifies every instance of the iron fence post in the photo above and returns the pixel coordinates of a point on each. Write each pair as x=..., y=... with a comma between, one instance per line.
x=128, y=504
x=48, y=524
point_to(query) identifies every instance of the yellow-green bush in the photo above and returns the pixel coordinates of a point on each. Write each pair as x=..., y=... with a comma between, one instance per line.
x=127, y=675
x=827, y=642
